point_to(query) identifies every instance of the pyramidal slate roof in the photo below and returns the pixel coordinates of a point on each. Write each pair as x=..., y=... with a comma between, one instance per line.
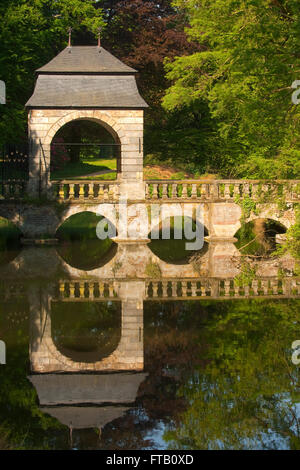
x=85, y=59
x=86, y=77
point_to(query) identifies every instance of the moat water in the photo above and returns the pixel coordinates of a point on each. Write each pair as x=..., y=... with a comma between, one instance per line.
x=131, y=352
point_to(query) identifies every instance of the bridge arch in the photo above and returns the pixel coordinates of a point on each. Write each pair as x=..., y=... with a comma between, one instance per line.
x=86, y=251
x=270, y=211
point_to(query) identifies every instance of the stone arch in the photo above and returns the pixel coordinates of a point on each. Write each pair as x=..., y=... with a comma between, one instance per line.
x=285, y=220
x=97, y=116
x=104, y=210
x=77, y=255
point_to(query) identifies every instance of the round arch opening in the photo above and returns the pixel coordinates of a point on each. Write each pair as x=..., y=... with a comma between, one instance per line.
x=85, y=148
x=174, y=250
x=260, y=237
x=79, y=245
x=86, y=331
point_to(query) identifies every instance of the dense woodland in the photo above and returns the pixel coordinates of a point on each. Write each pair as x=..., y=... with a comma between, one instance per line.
x=217, y=75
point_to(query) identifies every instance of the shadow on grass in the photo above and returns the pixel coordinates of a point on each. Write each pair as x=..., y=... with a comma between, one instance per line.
x=99, y=169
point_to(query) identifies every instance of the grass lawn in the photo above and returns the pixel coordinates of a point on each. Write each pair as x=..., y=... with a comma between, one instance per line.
x=86, y=169
x=106, y=169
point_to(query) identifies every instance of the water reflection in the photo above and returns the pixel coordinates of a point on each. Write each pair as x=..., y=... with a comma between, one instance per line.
x=197, y=357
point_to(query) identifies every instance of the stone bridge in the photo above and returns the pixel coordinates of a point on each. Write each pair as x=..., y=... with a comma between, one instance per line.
x=217, y=204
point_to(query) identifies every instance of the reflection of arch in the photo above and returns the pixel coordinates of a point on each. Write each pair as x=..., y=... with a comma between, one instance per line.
x=89, y=351
x=174, y=239
x=45, y=357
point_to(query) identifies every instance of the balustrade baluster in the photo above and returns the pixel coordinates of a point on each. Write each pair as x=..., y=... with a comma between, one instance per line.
x=184, y=191
x=72, y=290
x=81, y=289
x=61, y=193
x=81, y=191
x=236, y=190
x=164, y=191
x=203, y=191
x=194, y=288
x=227, y=191
x=91, y=191
x=101, y=191
x=227, y=288
x=91, y=290
x=71, y=190
x=155, y=289
x=61, y=289
x=101, y=289
x=194, y=191
x=174, y=190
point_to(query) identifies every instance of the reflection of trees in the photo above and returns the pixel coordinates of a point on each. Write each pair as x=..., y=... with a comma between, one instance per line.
x=23, y=424
x=246, y=396
x=220, y=376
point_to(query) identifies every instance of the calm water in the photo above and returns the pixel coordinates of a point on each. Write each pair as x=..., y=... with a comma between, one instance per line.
x=134, y=353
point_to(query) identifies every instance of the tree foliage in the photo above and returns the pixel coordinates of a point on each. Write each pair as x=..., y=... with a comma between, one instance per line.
x=243, y=76
x=31, y=34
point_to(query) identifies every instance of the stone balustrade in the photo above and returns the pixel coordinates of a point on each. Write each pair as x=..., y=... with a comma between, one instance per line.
x=84, y=191
x=170, y=289
x=221, y=288
x=87, y=290
x=222, y=190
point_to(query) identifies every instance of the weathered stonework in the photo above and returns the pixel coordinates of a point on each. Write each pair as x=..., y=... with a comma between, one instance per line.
x=126, y=127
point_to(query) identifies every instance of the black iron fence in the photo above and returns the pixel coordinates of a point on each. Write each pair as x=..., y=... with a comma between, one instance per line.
x=13, y=169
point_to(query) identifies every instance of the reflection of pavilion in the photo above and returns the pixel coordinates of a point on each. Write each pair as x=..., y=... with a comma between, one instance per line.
x=109, y=397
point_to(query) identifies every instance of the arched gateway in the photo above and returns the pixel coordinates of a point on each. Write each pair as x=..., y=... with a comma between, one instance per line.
x=87, y=83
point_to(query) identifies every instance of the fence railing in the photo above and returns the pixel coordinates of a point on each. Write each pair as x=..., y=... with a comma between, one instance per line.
x=83, y=191
x=87, y=290
x=225, y=288
x=223, y=190
x=166, y=190
x=168, y=289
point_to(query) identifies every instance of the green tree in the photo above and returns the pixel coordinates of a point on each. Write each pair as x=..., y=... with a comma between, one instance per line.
x=31, y=33
x=243, y=77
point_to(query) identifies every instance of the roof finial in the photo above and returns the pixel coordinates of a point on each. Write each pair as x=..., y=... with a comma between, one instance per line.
x=70, y=36
x=99, y=37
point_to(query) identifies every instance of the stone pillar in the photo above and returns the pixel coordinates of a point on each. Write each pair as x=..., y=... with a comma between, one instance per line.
x=224, y=221
x=39, y=122
x=132, y=184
